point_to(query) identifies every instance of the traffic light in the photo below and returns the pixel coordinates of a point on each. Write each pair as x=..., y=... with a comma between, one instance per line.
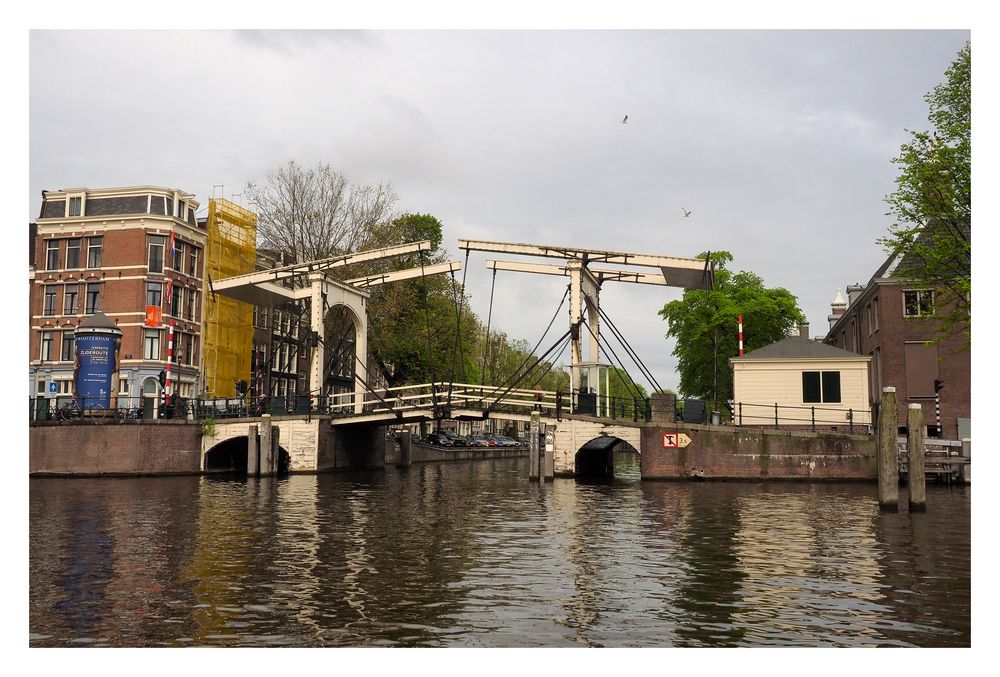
x=938, y=384
x=163, y=379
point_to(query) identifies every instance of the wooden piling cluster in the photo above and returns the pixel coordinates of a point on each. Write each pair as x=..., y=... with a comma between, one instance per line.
x=262, y=448
x=888, y=454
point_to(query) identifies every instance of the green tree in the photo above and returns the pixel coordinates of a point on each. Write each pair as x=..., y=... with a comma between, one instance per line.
x=932, y=202
x=414, y=324
x=705, y=323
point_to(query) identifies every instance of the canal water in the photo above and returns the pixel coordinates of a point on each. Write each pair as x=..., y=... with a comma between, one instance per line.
x=470, y=554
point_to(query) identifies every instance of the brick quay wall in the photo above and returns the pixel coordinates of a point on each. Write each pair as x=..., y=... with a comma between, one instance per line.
x=728, y=453
x=103, y=448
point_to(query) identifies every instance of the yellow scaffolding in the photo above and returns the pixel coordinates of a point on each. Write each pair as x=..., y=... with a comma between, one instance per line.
x=231, y=250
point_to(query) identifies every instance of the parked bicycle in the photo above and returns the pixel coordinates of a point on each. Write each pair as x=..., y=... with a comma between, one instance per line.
x=129, y=414
x=72, y=409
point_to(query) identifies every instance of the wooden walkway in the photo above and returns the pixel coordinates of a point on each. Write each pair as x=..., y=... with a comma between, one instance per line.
x=943, y=459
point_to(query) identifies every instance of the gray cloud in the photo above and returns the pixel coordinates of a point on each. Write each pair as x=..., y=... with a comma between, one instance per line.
x=780, y=142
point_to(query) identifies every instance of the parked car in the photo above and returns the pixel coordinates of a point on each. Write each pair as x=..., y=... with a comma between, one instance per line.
x=439, y=440
x=456, y=439
x=504, y=441
x=483, y=441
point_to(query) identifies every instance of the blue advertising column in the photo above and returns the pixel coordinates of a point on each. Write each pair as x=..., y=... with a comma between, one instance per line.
x=97, y=340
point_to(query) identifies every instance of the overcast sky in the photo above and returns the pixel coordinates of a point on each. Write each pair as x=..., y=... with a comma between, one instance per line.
x=778, y=142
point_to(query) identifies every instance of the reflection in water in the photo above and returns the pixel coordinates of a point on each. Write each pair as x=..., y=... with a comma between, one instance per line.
x=472, y=554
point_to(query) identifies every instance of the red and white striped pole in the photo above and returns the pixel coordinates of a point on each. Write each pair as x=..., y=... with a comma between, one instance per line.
x=170, y=346
x=741, y=336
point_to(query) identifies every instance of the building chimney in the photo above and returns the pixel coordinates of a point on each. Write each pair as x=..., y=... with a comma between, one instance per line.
x=837, y=309
x=853, y=292
x=804, y=330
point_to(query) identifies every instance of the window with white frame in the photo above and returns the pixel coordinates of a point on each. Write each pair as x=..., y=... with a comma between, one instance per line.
x=918, y=303
x=52, y=255
x=94, y=247
x=49, y=305
x=71, y=293
x=93, y=298
x=123, y=385
x=67, y=347
x=65, y=387
x=175, y=300
x=154, y=293
x=75, y=206
x=260, y=316
x=45, y=354
x=157, y=243
x=151, y=344
x=73, y=253
x=193, y=262
x=177, y=263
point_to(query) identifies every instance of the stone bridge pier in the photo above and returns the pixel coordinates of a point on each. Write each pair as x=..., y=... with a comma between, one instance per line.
x=584, y=446
x=304, y=444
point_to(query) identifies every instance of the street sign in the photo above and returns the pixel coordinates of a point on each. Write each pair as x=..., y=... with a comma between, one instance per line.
x=675, y=440
x=53, y=387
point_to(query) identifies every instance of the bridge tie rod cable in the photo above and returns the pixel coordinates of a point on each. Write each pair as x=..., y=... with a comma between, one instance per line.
x=558, y=342
x=632, y=353
x=532, y=353
x=608, y=349
x=551, y=363
x=489, y=319
x=459, y=303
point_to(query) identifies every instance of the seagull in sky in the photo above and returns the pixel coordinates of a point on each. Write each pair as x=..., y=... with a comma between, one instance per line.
x=625, y=120
x=686, y=212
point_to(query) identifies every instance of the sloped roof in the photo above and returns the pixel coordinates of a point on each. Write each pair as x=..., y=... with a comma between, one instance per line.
x=98, y=321
x=796, y=347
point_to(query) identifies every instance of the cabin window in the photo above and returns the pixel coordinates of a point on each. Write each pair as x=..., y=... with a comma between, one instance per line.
x=821, y=387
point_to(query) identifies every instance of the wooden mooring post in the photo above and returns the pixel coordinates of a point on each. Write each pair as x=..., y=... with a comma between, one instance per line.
x=888, y=451
x=253, y=453
x=266, y=445
x=548, y=455
x=915, y=476
x=404, y=449
x=965, y=471
x=534, y=447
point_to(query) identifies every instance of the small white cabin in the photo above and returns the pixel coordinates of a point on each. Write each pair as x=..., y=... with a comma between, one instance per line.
x=801, y=384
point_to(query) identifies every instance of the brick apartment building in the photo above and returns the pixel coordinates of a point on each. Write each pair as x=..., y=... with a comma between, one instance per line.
x=280, y=362
x=109, y=250
x=892, y=322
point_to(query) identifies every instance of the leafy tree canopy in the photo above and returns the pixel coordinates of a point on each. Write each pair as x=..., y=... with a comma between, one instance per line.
x=932, y=202
x=705, y=324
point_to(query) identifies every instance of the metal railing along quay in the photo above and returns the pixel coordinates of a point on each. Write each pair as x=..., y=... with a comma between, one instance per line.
x=441, y=400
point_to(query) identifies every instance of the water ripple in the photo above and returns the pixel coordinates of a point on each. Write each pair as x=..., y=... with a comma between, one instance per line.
x=471, y=554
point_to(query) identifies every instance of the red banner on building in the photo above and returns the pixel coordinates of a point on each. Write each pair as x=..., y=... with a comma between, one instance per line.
x=154, y=316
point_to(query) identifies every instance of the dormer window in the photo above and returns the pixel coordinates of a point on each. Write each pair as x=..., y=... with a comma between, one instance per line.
x=74, y=205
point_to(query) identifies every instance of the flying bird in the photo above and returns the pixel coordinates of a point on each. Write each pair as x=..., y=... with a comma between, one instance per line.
x=686, y=212
x=625, y=120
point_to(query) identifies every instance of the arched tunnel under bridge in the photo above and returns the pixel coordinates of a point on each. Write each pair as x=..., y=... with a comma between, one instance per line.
x=607, y=457
x=231, y=456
